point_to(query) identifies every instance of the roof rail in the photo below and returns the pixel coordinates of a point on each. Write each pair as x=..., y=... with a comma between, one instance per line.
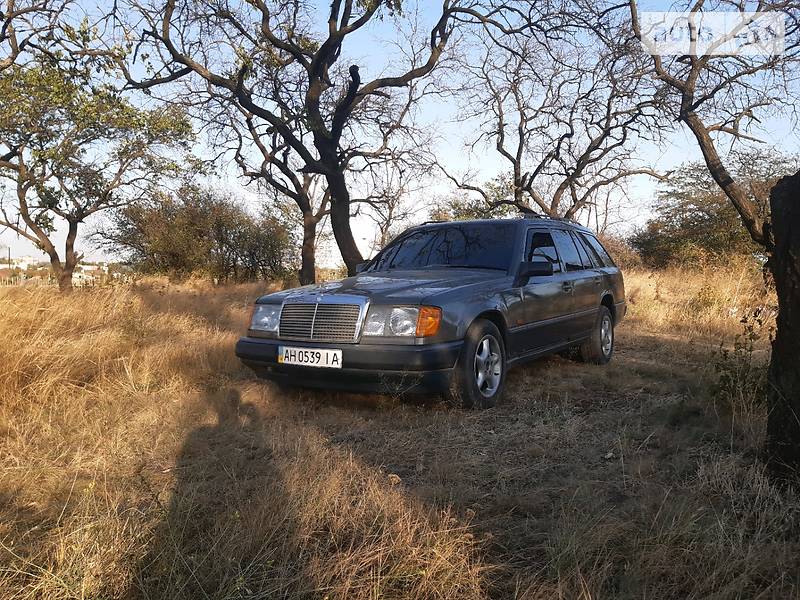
x=529, y=213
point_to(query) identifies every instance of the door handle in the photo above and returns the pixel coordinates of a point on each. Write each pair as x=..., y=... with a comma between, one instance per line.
x=598, y=280
x=567, y=286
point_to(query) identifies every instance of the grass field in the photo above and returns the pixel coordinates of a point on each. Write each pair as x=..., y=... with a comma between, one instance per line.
x=139, y=460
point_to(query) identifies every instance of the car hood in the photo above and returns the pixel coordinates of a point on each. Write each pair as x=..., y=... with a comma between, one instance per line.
x=389, y=286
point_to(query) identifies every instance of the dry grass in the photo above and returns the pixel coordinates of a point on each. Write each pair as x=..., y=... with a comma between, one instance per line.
x=139, y=460
x=708, y=303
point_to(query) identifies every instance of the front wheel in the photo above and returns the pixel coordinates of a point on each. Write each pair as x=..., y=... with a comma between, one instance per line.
x=480, y=373
x=599, y=348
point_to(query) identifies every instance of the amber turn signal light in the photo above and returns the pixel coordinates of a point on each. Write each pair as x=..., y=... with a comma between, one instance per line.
x=430, y=317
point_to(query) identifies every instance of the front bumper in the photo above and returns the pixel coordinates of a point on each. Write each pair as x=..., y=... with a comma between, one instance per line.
x=381, y=368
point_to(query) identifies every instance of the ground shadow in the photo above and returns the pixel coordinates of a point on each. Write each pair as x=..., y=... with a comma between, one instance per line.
x=211, y=538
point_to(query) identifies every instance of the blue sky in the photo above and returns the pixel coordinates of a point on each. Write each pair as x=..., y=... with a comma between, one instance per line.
x=370, y=48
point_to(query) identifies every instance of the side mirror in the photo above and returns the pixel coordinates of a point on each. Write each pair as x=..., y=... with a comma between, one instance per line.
x=537, y=268
x=361, y=266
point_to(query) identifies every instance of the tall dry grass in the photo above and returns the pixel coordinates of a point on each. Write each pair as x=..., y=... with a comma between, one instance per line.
x=701, y=303
x=727, y=311
x=138, y=461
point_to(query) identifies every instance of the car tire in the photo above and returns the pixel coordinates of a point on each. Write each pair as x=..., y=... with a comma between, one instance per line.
x=480, y=373
x=599, y=348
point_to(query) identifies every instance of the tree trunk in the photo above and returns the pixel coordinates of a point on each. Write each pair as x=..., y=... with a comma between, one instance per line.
x=783, y=425
x=340, y=222
x=65, y=279
x=746, y=209
x=62, y=272
x=308, y=267
x=70, y=260
x=56, y=267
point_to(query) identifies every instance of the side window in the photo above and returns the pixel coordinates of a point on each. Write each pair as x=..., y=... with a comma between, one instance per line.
x=540, y=245
x=598, y=247
x=567, y=250
x=580, y=239
x=586, y=259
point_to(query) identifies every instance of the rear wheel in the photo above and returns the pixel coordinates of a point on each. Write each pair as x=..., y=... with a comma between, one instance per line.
x=599, y=348
x=480, y=372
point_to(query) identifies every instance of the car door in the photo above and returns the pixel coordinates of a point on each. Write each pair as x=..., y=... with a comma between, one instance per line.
x=592, y=267
x=583, y=283
x=546, y=300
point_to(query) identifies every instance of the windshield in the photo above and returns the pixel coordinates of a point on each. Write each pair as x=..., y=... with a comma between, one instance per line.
x=467, y=245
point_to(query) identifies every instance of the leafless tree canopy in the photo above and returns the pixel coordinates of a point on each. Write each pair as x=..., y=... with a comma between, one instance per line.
x=720, y=98
x=27, y=25
x=284, y=75
x=564, y=113
x=380, y=135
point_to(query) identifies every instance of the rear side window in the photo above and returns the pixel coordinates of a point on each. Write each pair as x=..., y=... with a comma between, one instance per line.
x=540, y=245
x=567, y=250
x=586, y=257
x=580, y=240
x=605, y=257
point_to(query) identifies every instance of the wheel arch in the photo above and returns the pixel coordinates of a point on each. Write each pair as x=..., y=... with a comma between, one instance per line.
x=496, y=317
x=608, y=302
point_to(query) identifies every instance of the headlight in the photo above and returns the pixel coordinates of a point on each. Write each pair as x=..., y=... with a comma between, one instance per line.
x=376, y=320
x=266, y=317
x=402, y=321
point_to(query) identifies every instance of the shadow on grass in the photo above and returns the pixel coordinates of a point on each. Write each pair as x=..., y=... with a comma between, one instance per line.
x=213, y=540
x=263, y=506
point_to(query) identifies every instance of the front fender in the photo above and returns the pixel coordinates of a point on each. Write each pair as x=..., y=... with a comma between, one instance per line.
x=496, y=305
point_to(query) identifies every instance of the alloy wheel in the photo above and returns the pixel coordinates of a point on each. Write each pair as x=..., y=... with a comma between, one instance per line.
x=606, y=335
x=488, y=366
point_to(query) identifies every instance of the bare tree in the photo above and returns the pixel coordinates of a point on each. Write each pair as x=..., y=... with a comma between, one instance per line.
x=564, y=116
x=380, y=134
x=231, y=45
x=265, y=160
x=718, y=96
x=388, y=204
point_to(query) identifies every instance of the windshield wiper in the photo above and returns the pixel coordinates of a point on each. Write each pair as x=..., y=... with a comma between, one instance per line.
x=469, y=267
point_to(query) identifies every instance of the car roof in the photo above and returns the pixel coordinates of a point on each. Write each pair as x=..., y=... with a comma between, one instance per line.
x=525, y=219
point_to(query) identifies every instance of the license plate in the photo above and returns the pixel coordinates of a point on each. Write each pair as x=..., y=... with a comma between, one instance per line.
x=310, y=357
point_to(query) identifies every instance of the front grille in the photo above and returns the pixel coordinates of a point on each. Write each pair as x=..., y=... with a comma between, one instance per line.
x=320, y=322
x=296, y=320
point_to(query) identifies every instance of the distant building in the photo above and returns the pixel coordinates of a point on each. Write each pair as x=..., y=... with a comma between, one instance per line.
x=95, y=269
x=81, y=278
x=26, y=262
